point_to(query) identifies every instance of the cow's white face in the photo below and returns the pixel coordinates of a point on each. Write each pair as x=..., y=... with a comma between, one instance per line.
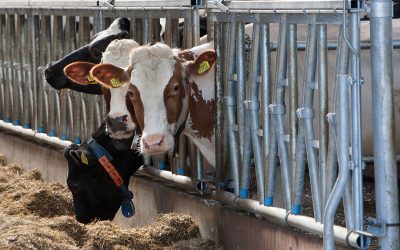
x=158, y=92
x=158, y=96
x=120, y=119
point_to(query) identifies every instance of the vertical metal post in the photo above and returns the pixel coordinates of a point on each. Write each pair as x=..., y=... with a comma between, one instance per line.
x=358, y=208
x=2, y=70
x=253, y=104
x=44, y=56
x=145, y=30
x=9, y=48
x=230, y=106
x=241, y=113
x=386, y=186
x=293, y=98
x=278, y=111
x=343, y=144
x=18, y=74
x=266, y=83
x=219, y=122
x=196, y=27
x=323, y=107
x=182, y=154
x=241, y=82
x=27, y=82
x=188, y=30
x=331, y=160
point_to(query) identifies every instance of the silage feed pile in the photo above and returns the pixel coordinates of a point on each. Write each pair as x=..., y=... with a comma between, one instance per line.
x=35, y=214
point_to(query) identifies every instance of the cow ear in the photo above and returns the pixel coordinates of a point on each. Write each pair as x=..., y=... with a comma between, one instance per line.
x=203, y=63
x=111, y=76
x=79, y=72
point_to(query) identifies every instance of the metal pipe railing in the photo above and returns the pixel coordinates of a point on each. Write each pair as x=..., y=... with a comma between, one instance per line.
x=386, y=186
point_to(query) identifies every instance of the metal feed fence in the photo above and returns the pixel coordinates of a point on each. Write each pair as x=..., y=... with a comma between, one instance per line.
x=264, y=124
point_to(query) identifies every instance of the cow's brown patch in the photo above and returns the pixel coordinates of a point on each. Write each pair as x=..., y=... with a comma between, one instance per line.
x=202, y=113
x=174, y=93
x=137, y=104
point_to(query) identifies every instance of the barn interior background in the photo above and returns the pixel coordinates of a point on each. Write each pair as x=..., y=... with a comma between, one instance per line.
x=307, y=99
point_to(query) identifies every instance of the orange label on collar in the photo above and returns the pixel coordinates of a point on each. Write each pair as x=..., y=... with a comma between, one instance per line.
x=109, y=167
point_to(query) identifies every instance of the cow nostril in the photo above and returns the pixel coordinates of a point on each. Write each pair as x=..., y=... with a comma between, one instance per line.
x=162, y=139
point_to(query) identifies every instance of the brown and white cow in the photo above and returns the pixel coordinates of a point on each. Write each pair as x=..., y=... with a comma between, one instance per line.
x=120, y=120
x=168, y=92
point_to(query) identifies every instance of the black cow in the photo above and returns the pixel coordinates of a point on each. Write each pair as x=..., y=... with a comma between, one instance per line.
x=95, y=196
x=92, y=52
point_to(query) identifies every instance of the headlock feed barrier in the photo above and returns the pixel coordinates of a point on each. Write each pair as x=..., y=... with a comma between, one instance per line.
x=288, y=83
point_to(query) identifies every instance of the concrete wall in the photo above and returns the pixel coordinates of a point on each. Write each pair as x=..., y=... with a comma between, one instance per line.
x=230, y=228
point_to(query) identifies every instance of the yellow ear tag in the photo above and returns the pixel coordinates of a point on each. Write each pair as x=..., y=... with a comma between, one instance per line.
x=203, y=67
x=90, y=79
x=116, y=82
x=84, y=159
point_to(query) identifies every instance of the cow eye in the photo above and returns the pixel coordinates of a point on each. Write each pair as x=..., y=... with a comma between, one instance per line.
x=130, y=93
x=176, y=88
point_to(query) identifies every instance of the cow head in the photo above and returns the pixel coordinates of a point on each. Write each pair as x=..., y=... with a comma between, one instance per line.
x=91, y=53
x=95, y=195
x=120, y=120
x=159, y=91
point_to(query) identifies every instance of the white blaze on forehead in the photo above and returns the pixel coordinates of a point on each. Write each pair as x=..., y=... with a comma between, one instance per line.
x=113, y=29
x=153, y=68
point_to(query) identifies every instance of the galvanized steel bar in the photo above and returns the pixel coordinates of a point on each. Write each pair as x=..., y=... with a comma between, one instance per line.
x=219, y=91
x=18, y=73
x=386, y=186
x=253, y=105
x=180, y=169
x=244, y=149
x=145, y=30
x=323, y=107
x=266, y=83
x=229, y=101
x=27, y=83
x=196, y=27
x=44, y=57
x=10, y=32
x=278, y=111
x=356, y=130
x=293, y=99
x=2, y=70
x=343, y=144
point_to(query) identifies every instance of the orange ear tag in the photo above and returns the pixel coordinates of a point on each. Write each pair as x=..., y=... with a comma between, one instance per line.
x=203, y=67
x=116, y=82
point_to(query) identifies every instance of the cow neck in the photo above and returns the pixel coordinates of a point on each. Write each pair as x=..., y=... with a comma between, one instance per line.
x=105, y=160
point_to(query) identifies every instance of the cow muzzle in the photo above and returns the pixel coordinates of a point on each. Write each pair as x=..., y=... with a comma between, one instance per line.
x=120, y=127
x=154, y=144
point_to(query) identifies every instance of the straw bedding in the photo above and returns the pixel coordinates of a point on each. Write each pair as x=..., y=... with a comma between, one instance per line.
x=35, y=214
